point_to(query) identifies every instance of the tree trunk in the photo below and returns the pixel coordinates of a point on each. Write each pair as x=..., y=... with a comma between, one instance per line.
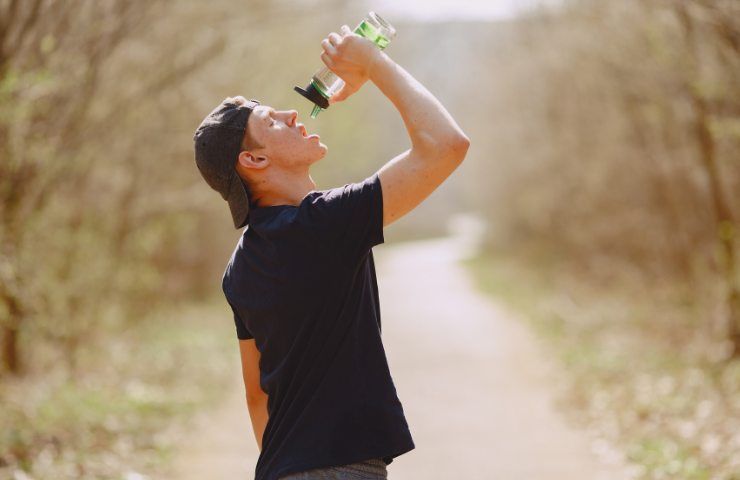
x=725, y=226
x=10, y=352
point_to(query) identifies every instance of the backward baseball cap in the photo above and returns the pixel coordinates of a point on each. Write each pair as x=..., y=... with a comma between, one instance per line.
x=218, y=141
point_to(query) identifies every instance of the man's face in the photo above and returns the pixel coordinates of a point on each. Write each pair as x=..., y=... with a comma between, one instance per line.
x=282, y=139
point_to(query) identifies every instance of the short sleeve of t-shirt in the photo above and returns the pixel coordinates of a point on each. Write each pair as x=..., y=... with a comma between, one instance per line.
x=242, y=333
x=350, y=217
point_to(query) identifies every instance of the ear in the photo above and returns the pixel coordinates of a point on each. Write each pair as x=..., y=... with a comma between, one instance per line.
x=250, y=160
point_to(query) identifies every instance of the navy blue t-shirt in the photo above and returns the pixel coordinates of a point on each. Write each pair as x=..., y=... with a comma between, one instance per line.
x=302, y=283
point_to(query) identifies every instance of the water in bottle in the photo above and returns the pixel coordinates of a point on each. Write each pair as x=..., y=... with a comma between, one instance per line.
x=326, y=83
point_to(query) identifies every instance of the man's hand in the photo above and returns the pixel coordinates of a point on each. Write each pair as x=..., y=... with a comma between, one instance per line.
x=351, y=57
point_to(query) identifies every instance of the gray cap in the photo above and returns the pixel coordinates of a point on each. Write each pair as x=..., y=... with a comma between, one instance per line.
x=218, y=142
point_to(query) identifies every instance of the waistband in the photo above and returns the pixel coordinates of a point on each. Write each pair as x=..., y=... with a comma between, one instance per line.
x=375, y=466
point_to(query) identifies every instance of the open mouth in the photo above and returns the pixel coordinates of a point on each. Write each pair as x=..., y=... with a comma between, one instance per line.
x=304, y=133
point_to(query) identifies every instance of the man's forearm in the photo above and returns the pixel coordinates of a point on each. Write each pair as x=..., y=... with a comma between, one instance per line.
x=258, y=415
x=428, y=123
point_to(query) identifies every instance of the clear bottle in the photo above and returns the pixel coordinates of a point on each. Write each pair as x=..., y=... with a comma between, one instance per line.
x=326, y=83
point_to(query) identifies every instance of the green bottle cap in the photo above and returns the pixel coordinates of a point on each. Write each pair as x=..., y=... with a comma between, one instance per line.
x=312, y=93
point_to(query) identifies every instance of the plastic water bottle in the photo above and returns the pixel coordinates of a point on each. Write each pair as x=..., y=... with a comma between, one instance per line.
x=326, y=83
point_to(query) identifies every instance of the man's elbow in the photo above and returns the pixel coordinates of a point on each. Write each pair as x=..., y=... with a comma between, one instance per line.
x=456, y=147
x=448, y=148
x=462, y=143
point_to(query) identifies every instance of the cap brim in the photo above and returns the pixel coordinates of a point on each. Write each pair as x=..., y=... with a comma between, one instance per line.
x=238, y=201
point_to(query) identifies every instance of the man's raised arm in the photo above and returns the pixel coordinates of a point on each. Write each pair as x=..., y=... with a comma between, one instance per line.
x=438, y=145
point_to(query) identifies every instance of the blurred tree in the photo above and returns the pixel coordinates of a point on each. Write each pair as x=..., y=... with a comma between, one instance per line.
x=721, y=38
x=57, y=255
x=617, y=128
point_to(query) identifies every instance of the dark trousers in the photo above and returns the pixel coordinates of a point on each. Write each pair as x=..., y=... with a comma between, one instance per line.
x=373, y=469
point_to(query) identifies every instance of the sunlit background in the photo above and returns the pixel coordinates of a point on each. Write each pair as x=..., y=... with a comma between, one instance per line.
x=565, y=305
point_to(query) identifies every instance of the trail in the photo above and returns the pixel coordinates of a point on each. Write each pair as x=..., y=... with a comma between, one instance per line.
x=476, y=389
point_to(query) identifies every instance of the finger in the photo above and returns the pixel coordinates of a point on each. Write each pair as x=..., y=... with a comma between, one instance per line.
x=334, y=38
x=328, y=47
x=346, y=30
x=340, y=95
x=327, y=60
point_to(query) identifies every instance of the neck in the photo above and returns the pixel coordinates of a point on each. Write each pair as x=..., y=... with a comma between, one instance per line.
x=285, y=190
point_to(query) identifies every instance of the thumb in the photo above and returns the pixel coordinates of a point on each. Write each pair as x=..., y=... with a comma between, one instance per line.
x=341, y=95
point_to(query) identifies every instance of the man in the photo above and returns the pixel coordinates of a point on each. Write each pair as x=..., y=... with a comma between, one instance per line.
x=301, y=281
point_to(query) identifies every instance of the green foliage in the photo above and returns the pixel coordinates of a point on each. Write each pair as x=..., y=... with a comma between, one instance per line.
x=663, y=458
x=118, y=417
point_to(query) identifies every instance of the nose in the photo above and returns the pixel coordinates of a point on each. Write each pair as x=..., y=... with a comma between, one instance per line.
x=292, y=116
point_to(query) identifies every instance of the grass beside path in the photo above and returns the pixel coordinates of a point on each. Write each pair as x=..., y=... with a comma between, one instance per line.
x=640, y=364
x=121, y=416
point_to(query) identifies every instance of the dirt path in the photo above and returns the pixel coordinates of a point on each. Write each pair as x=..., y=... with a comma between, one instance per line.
x=475, y=388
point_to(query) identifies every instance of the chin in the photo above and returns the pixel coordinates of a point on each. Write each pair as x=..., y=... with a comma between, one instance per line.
x=322, y=150
x=316, y=155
